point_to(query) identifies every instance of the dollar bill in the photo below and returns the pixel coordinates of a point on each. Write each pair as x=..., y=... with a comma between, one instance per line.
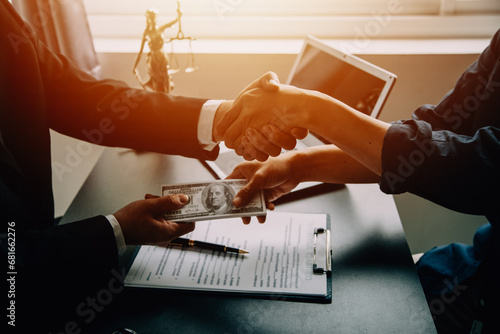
x=212, y=200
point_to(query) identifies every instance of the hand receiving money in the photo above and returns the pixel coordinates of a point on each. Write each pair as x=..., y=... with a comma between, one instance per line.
x=212, y=200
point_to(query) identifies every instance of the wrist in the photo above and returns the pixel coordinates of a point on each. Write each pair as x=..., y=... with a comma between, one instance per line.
x=314, y=111
x=297, y=161
x=118, y=232
x=220, y=112
x=308, y=110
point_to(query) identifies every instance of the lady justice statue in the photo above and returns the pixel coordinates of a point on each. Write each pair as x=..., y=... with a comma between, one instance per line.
x=160, y=79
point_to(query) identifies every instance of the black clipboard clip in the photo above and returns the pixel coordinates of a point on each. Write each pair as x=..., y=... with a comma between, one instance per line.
x=328, y=252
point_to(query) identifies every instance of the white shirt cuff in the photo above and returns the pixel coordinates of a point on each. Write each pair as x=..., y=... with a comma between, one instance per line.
x=120, y=239
x=206, y=124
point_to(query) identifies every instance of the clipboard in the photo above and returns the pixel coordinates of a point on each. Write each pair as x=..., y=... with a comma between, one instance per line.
x=322, y=265
x=294, y=267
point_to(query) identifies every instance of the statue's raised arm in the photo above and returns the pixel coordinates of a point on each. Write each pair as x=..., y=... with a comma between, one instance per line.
x=157, y=60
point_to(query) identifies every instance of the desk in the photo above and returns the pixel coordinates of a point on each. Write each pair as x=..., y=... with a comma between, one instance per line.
x=375, y=285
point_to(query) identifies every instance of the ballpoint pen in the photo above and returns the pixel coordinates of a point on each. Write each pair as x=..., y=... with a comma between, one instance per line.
x=183, y=242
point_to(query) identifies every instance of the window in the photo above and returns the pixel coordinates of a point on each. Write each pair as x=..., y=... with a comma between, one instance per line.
x=298, y=18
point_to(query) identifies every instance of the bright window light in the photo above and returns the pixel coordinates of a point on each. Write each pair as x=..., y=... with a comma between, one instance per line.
x=218, y=19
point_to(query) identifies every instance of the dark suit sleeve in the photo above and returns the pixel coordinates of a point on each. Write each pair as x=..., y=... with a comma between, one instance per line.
x=60, y=270
x=108, y=112
x=88, y=241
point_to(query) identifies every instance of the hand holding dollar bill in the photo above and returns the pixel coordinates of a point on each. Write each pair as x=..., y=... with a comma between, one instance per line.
x=212, y=200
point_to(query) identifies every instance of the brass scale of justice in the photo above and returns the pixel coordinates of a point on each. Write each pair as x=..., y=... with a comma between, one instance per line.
x=160, y=69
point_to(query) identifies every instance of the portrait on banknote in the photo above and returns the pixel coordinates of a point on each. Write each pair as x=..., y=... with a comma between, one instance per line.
x=218, y=198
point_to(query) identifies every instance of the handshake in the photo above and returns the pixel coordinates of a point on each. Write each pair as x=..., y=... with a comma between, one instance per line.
x=264, y=118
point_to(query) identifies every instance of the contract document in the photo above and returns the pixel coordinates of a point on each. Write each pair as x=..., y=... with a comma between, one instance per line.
x=280, y=259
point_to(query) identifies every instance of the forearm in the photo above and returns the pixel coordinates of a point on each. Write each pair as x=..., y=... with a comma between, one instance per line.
x=355, y=133
x=328, y=164
x=110, y=113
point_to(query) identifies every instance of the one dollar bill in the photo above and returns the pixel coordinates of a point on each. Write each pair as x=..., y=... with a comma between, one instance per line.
x=212, y=200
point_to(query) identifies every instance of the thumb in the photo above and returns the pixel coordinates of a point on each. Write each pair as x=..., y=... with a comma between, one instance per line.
x=235, y=174
x=172, y=202
x=270, y=82
x=244, y=195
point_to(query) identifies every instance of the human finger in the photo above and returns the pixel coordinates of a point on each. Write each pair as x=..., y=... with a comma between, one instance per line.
x=241, y=171
x=254, y=152
x=182, y=228
x=278, y=137
x=270, y=81
x=260, y=142
x=248, y=157
x=299, y=133
x=240, y=149
x=171, y=230
x=243, y=153
x=246, y=193
x=172, y=202
x=261, y=219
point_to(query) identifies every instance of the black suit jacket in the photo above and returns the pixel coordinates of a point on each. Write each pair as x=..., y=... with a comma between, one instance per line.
x=40, y=90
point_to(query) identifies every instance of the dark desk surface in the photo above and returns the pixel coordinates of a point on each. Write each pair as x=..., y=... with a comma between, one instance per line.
x=375, y=285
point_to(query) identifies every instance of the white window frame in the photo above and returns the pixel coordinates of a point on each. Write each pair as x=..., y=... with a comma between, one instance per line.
x=265, y=19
